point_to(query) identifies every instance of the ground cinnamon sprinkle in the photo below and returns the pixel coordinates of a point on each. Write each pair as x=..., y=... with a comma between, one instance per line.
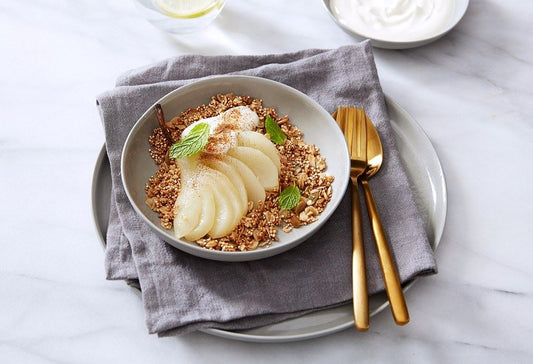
x=301, y=164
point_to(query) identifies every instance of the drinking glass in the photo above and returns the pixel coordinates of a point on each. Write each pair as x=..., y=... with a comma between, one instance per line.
x=180, y=16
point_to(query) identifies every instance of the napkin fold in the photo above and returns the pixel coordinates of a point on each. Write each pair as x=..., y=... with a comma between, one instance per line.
x=183, y=293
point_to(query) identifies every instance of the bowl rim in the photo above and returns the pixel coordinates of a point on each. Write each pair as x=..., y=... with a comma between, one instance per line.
x=457, y=16
x=237, y=256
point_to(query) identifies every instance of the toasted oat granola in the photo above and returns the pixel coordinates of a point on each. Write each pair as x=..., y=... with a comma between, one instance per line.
x=301, y=164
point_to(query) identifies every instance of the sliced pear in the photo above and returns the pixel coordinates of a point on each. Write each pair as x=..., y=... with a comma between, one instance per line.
x=188, y=167
x=226, y=210
x=207, y=215
x=224, y=183
x=234, y=177
x=260, y=164
x=188, y=205
x=260, y=142
x=254, y=189
x=187, y=210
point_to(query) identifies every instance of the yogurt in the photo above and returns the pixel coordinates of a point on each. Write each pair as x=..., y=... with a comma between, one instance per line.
x=394, y=20
x=223, y=128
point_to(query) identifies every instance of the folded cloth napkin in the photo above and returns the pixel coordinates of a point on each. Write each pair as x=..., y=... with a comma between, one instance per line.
x=183, y=293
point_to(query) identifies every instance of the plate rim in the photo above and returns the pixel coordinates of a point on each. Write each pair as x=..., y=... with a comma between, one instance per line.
x=441, y=175
x=241, y=335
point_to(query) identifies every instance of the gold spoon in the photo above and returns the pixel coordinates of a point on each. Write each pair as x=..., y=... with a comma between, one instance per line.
x=374, y=155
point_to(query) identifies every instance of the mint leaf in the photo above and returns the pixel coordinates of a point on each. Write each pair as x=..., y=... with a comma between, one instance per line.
x=275, y=132
x=192, y=143
x=289, y=197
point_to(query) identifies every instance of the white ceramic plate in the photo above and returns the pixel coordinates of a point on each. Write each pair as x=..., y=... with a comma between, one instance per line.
x=459, y=11
x=427, y=178
x=316, y=123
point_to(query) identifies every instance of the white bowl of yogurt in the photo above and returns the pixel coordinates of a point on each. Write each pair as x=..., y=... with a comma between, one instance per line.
x=397, y=24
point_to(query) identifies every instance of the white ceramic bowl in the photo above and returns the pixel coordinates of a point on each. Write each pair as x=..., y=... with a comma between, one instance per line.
x=459, y=11
x=318, y=127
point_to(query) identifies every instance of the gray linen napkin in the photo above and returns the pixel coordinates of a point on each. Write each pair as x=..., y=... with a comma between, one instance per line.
x=182, y=293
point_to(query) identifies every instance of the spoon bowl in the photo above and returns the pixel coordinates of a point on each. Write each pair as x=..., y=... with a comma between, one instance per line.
x=374, y=150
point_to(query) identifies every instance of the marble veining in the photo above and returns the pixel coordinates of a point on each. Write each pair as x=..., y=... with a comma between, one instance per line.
x=470, y=91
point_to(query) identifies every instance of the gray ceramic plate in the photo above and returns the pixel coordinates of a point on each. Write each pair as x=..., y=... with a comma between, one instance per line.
x=318, y=126
x=459, y=11
x=427, y=178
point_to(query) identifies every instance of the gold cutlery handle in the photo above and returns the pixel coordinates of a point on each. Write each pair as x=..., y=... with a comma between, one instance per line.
x=360, y=292
x=390, y=274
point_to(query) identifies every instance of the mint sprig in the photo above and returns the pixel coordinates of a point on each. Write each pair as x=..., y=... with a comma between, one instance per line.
x=192, y=143
x=275, y=132
x=289, y=197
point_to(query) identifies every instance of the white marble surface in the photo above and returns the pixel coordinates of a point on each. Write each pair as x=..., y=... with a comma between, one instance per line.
x=470, y=91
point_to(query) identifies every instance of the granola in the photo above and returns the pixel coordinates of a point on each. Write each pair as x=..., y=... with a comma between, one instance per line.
x=301, y=164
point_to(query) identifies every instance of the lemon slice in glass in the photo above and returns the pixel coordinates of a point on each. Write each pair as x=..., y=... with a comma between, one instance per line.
x=186, y=8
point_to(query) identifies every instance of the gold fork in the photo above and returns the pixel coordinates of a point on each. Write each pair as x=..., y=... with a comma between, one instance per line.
x=353, y=124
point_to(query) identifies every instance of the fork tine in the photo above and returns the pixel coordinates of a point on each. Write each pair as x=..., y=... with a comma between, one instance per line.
x=339, y=117
x=342, y=122
x=349, y=129
x=359, y=137
x=354, y=135
x=354, y=117
x=336, y=116
x=342, y=118
x=364, y=134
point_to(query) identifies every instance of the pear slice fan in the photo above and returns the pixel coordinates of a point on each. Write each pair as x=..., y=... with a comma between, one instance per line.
x=216, y=189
